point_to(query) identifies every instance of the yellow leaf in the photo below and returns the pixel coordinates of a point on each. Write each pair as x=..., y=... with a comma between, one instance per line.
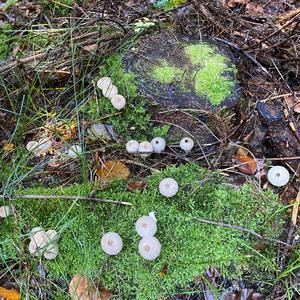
x=8, y=147
x=9, y=294
x=113, y=170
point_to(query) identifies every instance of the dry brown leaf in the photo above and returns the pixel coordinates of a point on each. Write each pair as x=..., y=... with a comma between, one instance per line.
x=90, y=48
x=293, y=102
x=234, y=3
x=254, y=9
x=113, y=169
x=8, y=147
x=136, y=185
x=105, y=294
x=9, y=294
x=246, y=164
x=82, y=288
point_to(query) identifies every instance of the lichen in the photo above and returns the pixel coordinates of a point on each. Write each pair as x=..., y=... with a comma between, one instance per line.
x=166, y=73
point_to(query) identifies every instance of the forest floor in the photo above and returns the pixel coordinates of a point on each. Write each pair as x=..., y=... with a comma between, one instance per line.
x=51, y=56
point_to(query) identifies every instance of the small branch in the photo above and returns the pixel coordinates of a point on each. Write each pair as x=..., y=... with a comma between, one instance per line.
x=296, y=209
x=70, y=198
x=259, y=236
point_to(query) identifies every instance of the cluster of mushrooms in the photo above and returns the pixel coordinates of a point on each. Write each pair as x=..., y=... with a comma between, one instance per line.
x=43, y=242
x=146, y=226
x=110, y=91
x=157, y=145
x=6, y=211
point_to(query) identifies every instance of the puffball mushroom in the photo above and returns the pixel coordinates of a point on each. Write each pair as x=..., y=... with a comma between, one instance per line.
x=186, y=144
x=5, y=211
x=132, y=146
x=51, y=251
x=168, y=187
x=145, y=226
x=158, y=144
x=52, y=235
x=278, y=176
x=110, y=91
x=149, y=247
x=118, y=102
x=74, y=151
x=145, y=149
x=104, y=83
x=111, y=243
x=99, y=131
x=39, y=147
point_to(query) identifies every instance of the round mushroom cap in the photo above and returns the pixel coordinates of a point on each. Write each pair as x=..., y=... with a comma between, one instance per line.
x=158, y=144
x=186, y=144
x=34, y=230
x=111, y=243
x=145, y=149
x=145, y=226
x=168, y=187
x=110, y=91
x=5, y=211
x=51, y=251
x=52, y=235
x=149, y=247
x=32, y=247
x=132, y=146
x=104, y=83
x=278, y=176
x=99, y=131
x=40, y=238
x=74, y=151
x=32, y=145
x=118, y=102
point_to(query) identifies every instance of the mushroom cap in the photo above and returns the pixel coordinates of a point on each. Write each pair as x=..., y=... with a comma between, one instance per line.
x=158, y=144
x=104, y=83
x=32, y=247
x=5, y=211
x=278, y=176
x=52, y=235
x=145, y=226
x=111, y=243
x=99, y=131
x=32, y=145
x=149, y=247
x=34, y=230
x=168, y=187
x=110, y=91
x=132, y=146
x=152, y=215
x=145, y=148
x=40, y=238
x=74, y=151
x=186, y=144
x=51, y=251
x=118, y=102
x=39, y=147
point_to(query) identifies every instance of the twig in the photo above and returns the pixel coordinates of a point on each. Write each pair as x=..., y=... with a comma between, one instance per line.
x=296, y=209
x=71, y=198
x=261, y=237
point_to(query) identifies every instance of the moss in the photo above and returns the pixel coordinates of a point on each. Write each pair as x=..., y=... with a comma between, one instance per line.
x=188, y=247
x=210, y=79
x=60, y=8
x=166, y=73
x=5, y=32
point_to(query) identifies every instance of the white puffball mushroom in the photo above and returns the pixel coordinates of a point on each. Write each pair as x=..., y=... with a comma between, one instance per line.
x=51, y=251
x=111, y=243
x=34, y=230
x=152, y=215
x=5, y=211
x=98, y=131
x=52, y=235
x=158, y=144
x=74, y=151
x=118, y=102
x=104, y=83
x=145, y=226
x=186, y=144
x=40, y=238
x=110, y=91
x=39, y=147
x=168, y=187
x=132, y=146
x=149, y=247
x=31, y=146
x=145, y=149
x=278, y=176
x=32, y=247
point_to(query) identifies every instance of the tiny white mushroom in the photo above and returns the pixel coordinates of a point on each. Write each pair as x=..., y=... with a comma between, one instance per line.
x=32, y=247
x=32, y=145
x=145, y=149
x=5, y=211
x=145, y=226
x=39, y=147
x=99, y=131
x=132, y=146
x=168, y=187
x=40, y=238
x=111, y=243
x=118, y=102
x=104, y=83
x=110, y=91
x=51, y=251
x=35, y=230
x=159, y=145
x=278, y=176
x=52, y=235
x=149, y=248
x=152, y=215
x=186, y=144
x=74, y=151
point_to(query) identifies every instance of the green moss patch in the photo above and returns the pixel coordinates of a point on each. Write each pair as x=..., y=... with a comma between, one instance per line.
x=166, y=73
x=188, y=247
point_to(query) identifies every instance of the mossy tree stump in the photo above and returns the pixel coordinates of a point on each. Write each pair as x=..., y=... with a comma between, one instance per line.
x=179, y=71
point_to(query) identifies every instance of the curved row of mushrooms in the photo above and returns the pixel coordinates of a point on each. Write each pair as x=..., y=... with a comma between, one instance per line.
x=110, y=91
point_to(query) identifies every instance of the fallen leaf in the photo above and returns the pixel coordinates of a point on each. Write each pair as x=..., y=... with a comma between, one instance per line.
x=9, y=294
x=254, y=9
x=136, y=185
x=293, y=102
x=8, y=147
x=113, y=170
x=163, y=271
x=246, y=164
x=82, y=288
x=234, y=3
x=90, y=48
x=105, y=294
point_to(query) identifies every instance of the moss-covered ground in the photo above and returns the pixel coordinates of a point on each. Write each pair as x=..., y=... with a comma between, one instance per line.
x=188, y=247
